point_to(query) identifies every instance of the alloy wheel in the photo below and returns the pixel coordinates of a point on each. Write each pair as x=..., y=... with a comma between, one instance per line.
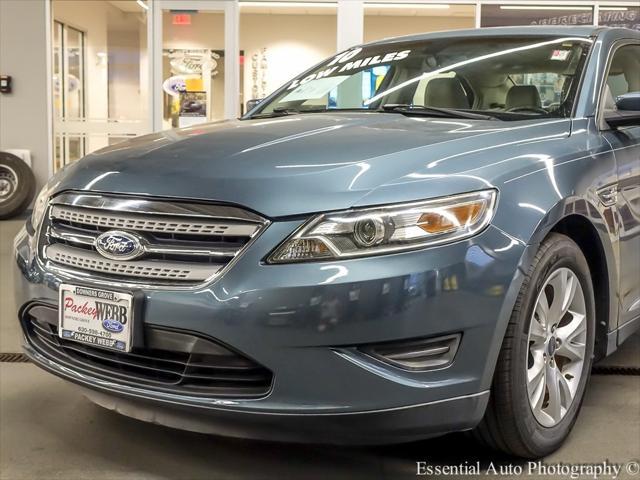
x=557, y=344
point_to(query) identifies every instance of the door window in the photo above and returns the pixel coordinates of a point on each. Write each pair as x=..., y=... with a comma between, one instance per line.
x=624, y=74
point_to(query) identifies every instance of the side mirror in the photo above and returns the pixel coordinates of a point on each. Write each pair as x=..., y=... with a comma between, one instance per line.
x=253, y=103
x=627, y=111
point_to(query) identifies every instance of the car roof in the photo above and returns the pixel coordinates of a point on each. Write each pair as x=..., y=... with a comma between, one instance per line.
x=517, y=31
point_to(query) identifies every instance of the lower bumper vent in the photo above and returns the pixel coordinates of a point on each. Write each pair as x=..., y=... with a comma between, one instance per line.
x=170, y=361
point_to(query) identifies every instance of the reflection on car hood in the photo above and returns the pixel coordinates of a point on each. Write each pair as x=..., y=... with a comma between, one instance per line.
x=305, y=163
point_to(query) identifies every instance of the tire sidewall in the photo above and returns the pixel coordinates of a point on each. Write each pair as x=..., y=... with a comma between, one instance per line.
x=563, y=252
x=23, y=195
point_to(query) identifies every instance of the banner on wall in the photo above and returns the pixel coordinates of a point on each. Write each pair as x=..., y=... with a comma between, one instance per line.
x=193, y=108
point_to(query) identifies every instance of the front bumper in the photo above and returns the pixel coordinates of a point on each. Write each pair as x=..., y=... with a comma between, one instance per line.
x=304, y=322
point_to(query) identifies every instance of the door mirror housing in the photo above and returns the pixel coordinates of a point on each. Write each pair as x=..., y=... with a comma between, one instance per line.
x=253, y=103
x=627, y=112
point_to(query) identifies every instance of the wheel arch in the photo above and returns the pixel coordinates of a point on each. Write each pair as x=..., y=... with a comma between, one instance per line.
x=579, y=229
x=593, y=229
x=594, y=232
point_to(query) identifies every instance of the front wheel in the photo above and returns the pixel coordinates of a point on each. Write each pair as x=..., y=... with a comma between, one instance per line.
x=545, y=360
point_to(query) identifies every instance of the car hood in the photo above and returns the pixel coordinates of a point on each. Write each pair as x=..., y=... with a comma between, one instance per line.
x=299, y=164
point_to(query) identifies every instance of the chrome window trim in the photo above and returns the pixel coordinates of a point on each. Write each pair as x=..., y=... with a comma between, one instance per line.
x=599, y=113
x=197, y=209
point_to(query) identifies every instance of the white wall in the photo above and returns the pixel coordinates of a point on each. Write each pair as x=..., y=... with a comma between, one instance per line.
x=294, y=43
x=379, y=27
x=126, y=37
x=23, y=55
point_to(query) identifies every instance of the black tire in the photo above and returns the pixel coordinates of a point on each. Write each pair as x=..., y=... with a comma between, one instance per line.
x=509, y=424
x=17, y=185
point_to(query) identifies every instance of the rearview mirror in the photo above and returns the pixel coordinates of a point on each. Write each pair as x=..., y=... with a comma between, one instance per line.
x=253, y=103
x=627, y=111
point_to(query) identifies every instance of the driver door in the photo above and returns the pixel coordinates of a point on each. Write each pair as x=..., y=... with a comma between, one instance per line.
x=623, y=76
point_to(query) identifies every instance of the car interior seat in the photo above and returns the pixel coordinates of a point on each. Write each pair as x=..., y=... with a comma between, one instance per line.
x=523, y=96
x=446, y=93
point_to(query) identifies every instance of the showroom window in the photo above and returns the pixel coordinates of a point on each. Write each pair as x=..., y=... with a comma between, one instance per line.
x=99, y=69
x=513, y=15
x=193, y=70
x=280, y=41
x=619, y=16
x=122, y=68
x=68, y=89
x=384, y=20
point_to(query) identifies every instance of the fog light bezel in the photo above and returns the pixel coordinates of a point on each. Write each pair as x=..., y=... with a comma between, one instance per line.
x=444, y=350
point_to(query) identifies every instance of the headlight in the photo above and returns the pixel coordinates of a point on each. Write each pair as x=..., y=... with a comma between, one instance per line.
x=40, y=207
x=378, y=230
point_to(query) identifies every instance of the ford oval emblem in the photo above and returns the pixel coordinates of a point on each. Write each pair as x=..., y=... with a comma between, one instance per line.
x=111, y=325
x=117, y=245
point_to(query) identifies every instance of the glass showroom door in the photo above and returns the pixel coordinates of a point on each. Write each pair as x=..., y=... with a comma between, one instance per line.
x=68, y=90
x=193, y=62
x=100, y=75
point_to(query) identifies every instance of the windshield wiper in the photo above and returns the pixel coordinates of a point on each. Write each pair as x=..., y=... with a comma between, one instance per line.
x=282, y=111
x=407, y=109
x=276, y=112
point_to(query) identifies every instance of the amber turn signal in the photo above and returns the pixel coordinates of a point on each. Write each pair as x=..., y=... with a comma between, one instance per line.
x=446, y=219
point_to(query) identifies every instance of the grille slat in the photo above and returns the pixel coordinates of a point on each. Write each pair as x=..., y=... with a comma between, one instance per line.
x=188, y=244
x=150, y=269
x=124, y=221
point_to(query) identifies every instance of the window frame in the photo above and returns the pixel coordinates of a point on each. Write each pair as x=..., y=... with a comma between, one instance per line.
x=600, y=122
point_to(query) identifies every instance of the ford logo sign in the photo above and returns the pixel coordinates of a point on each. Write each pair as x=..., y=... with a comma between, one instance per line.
x=111, y=325
x=117, y=245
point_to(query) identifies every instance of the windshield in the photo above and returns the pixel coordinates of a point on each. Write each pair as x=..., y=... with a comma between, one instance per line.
x=510, y=78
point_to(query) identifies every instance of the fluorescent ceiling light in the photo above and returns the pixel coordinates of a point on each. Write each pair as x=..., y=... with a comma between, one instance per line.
x=411, y=6
x=542, y=7
x=142, y=4
x=604, y=7
x=288, y=4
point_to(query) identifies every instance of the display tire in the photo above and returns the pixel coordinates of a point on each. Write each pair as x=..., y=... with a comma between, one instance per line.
x=18, y=185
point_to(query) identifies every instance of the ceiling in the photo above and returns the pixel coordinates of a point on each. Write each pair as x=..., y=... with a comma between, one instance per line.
x=410, y=10
x=293, y=10
x=304, y=8
x=129, y=6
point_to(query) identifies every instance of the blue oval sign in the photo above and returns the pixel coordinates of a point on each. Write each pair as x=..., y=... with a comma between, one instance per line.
x=118, y=245
x=112, y=325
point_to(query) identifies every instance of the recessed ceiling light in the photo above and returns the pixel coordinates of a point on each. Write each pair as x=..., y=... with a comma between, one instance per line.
x=288, y=4
x=413, y=6
x=543, y=7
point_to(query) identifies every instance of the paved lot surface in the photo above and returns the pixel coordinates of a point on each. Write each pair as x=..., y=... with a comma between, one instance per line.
x=48, y=430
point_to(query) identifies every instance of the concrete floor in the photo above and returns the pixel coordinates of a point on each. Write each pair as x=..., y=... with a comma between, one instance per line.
x=48, y=430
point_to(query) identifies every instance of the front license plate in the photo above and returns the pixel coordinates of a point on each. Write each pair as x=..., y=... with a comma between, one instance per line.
x=96, y=317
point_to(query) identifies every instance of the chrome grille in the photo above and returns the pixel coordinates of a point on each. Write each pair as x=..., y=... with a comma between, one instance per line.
x=182, y=242
x=160, y=224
